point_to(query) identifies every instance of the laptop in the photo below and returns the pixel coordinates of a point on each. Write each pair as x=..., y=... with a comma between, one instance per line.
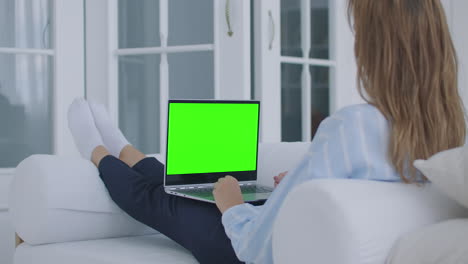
x=209, y=139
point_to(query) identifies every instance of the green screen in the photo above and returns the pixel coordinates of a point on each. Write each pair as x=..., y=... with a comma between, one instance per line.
x=212, y=137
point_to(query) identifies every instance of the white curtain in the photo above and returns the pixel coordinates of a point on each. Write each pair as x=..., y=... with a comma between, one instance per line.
x=25, y=81
x=32, y=31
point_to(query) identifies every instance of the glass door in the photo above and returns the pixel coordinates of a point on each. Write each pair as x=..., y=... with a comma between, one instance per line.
x=26, y=80
x=165, y=51
x=41, y=72
x=139, y=54
x=304, y=65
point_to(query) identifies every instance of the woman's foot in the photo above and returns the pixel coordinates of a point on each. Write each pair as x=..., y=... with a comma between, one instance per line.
x=113, y=138
x=83, y=129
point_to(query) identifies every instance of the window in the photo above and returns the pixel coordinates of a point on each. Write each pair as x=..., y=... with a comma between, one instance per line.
x=35, y=58
x=139, y=54
x=166, y=49
x=26, y=60
x=304, y=65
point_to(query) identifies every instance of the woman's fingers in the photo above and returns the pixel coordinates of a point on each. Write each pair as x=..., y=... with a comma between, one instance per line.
x=277, y=179
x=227, y=193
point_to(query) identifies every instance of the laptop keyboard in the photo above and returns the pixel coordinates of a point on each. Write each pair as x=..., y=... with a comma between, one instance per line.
x=245, y=189
x=255, y=189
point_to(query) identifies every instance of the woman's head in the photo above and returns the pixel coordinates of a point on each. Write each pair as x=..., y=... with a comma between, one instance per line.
x=407, y=68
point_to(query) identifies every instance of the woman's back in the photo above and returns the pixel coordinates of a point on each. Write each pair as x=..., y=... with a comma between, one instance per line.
x=350, y=144
x=407, y=72
x=358, y=136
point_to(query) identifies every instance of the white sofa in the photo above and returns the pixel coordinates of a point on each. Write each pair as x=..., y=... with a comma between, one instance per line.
x=322, y=221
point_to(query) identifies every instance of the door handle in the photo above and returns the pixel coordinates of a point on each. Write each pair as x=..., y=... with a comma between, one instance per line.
x=228, y=17
x=272, y=30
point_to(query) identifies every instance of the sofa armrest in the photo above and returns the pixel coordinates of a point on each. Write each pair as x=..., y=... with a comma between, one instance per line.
x=353, y=221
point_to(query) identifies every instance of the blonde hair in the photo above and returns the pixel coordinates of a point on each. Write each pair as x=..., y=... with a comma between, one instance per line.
x=407, y=68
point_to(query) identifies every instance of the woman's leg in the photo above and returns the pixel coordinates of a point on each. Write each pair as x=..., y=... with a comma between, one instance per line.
x=139, y=191
x=194, y=225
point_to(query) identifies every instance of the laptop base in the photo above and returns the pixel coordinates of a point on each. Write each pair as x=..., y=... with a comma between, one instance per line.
x=250, y=193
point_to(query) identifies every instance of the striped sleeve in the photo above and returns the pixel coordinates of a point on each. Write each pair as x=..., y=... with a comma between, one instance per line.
x=329, y=156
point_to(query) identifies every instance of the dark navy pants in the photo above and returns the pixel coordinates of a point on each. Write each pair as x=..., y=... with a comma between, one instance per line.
x=195, y=225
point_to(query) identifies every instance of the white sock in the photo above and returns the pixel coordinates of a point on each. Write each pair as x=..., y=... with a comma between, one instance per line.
x=82, y=127
x=113, y=138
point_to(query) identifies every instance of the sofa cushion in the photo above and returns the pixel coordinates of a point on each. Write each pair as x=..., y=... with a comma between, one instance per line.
x=445, y=242
x=448, y=171
x=152, y=249
x=57, y=199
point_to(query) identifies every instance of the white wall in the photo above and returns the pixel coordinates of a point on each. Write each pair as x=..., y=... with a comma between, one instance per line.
x=459, y=21
x=457, y=18
x=346, y=69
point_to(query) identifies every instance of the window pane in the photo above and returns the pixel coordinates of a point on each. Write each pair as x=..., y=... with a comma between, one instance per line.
x=138, y=23
x=291, y=28
x=191, y=75
x=291, y=103
x=139, y=101
x=319, y=35
x=26, y=24
x=25, y=107
x=320, y=95
x=190, y=22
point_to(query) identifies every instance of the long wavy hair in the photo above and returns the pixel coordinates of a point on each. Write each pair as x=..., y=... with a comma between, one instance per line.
x=407, y=68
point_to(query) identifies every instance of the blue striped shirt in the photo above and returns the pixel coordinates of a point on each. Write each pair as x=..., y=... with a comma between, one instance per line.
x=349, y=144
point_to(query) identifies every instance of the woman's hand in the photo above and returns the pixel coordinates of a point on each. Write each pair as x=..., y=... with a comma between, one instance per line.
x=280, y=177
x=227, y=193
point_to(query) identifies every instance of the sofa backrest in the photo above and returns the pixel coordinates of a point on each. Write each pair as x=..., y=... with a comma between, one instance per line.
x=274, y=158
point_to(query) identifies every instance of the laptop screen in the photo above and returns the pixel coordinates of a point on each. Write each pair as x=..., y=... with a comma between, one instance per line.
x=207, y=140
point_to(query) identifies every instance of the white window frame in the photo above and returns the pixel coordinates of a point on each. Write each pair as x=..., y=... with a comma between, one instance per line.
x=231, y=53
x=163, y=51
x=68, y=70
x=268, y=61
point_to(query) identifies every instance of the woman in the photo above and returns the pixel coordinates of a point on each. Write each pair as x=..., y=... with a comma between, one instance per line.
x=407, y=70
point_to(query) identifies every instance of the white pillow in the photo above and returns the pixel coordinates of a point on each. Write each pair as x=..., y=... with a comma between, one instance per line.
x=56, y=199
x=445, y=242
x=448, y=171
